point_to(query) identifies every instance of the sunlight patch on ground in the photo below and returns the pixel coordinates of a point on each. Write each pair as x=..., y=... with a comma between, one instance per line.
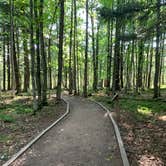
x=150, y=160
x=163, y=87
x=163, y=117
x=144, y=111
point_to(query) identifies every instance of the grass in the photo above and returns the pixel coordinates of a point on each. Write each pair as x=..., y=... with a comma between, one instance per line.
x=10, y=111
x=5, y=138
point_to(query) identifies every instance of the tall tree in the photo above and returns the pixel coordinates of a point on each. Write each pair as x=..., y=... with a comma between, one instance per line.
x=86, y=54
x=75, y=50
x=38, y=59
x=4, y=60
x=43, y=55
x=26, y=64
x=70, y=50
x=32, y=52
x=13, y=50
x=157, y=55
x=60, y=53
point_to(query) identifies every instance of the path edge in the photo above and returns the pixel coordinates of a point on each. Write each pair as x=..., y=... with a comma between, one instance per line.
x=118, y=136
x=27, y=146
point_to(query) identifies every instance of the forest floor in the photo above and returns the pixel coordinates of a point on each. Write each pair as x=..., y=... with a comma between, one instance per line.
x=143, y=127
x=85, y=138
x=17, y=124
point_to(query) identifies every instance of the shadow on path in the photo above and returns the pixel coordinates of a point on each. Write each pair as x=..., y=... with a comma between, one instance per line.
x=85, y=138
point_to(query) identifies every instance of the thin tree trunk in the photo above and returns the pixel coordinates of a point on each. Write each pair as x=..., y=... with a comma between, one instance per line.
x=13, y=50
x=157, y=55
x=49, y=64
x=93, y=53
x=86, y=55
x=32, y=52
x=17, y=46
x=74, y=50
x=43, y=56
x=70, y=52
x=140, y=67
x=38, y=74
x=4, y=60
x=97, y=61
x=108, y=59
x=116, y=67
x=150, y=66
x=8, y=65
x=121, y=64
x=60, y=54
x=132, y=64
x=26, y=64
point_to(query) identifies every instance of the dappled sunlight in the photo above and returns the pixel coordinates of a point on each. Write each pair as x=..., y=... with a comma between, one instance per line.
x=20, y=161
x=163, y=86
x=106, y=115
x=144, y=111
x=150, y=160
x=162, y=118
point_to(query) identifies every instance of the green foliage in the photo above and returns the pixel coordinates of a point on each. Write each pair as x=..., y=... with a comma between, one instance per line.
x=107, y=3
x=9, y=112
x=6, y=118
x=141, y=109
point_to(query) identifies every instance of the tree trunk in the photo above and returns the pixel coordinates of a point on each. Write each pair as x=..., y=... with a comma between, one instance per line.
x=43, y=56
x=150, y=66
x=26, y=64
x=86, y=55
x=8, y=65
x=116, y=67
x=4, y=60
x=74, y=50
x=38, y=74
x=157, y=55
x=60, y=54
x=140, y=67
x=93, y=52
x=108, y=59
x=13, y=50
x=17, y=46
x=32, y=52
x=49, y=64
x=97, y=57
x=70, y=52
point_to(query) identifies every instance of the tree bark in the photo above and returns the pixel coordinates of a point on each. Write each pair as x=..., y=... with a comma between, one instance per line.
x=70, y=52
x=74, y=50
x=32, y=52
x=60, y=54
x=157, y=55
x=8, y=65
x=26, y=64
x=43, y=56
x=140, y=67
x=4, y=60
x=85, y=89
x=49, y=64
x=13, y=50
x=116, y=67
x=38, y=73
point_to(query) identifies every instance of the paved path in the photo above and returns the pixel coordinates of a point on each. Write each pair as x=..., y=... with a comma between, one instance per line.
x=84, y=138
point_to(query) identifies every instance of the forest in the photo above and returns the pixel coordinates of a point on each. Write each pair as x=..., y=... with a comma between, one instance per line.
x=89, y=48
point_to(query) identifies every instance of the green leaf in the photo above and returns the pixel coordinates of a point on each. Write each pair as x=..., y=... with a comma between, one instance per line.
x=106, y=3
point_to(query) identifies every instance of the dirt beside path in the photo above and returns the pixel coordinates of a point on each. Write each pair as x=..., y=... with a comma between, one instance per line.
x=85, y=138
x=15, y=135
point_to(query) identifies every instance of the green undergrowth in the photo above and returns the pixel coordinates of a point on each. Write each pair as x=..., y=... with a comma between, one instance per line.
x=141, y=109
x=10, y=111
